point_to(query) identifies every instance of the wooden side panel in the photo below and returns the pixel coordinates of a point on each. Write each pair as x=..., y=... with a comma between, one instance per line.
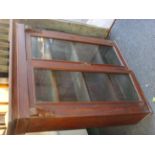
x=22, y=84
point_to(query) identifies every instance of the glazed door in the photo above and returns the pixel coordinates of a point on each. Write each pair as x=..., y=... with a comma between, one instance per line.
x=70, y=78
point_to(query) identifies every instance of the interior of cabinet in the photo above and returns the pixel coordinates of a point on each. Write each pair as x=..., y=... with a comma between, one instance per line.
x=77, y=86
x=54, y=49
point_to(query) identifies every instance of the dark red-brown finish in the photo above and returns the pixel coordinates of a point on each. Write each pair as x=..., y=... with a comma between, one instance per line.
x=29, y=115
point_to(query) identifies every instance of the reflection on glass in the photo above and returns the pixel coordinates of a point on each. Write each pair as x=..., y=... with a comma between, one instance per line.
x=53, y=49
x=76, y=86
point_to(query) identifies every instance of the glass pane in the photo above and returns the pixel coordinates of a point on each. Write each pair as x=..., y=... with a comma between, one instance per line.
x=45, y=86
x=76, y=86
x=53, y=49
x=110, y=87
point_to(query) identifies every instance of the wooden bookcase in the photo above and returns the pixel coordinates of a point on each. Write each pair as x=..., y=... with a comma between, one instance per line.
x=64, y=81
